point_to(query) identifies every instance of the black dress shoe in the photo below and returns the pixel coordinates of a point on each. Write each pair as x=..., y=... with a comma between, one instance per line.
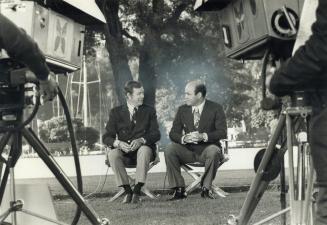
x=206, y=193
x=178, y=194
x=135, y=198
x=128, y=198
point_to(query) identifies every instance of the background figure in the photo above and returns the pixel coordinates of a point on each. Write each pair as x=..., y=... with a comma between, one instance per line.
x=306, y=70
x=22, y=48
x=197, y=128
x=131, y=133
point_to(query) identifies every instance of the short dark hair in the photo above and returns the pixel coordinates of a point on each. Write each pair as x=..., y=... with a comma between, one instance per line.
x=130, y=85
x=200, y=88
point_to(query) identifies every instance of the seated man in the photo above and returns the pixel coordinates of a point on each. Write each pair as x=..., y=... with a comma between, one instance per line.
x=197, y=128
x=131, y=133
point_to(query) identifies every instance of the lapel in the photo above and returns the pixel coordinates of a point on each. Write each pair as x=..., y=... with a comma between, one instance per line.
x=139, y=115
x=204, y=116
x=125, y=114
x=189, y=118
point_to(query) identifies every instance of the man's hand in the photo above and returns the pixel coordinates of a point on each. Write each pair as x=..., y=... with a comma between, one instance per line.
x=48, y=88
x=125, y=147
x=190, y=138
x=198, y=137
x=136, y=144
x=194, y=137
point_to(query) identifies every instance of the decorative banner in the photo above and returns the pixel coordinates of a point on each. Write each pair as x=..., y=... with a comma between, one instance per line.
x=60, y=37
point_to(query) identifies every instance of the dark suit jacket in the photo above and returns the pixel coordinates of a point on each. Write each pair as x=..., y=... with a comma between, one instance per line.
x=212, y=122
x=119, y=125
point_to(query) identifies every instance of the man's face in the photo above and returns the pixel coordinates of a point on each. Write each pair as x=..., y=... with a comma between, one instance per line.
x=190, y=98
x=136, y=98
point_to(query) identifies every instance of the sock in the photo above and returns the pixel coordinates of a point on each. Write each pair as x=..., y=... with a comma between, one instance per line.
x=127, y=188
x=137, y=188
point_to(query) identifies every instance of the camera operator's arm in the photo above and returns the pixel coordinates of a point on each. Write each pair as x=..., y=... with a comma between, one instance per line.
x=22, y=48
x=309, y=61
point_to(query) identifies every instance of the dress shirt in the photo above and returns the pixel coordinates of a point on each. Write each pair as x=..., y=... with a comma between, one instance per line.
x=200, y=108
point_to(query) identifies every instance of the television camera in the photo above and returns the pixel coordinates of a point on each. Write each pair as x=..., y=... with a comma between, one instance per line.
x=249, y=27
x=267, y=30
x=58, y=27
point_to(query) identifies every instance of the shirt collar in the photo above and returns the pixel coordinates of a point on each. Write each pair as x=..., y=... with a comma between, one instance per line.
x=200, y=107
x=131, y=108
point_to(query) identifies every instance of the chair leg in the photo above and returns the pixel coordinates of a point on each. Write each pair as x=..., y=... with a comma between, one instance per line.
x=193, y=185
x=219, y=191
x=197, y=179
x=117, y=195
x=147, y=192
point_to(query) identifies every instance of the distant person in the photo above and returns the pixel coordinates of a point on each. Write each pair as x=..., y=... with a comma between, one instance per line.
x=132, y=132
x=21, y=47
x=307, y=70
x=198, y=127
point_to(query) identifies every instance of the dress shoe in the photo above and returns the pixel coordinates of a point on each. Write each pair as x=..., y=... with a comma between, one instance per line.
x=135, y=198
x=178, y=194
x=128, y=198
x=206, y=193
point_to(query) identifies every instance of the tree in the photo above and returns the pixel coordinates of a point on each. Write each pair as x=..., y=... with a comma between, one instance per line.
x=115, y=44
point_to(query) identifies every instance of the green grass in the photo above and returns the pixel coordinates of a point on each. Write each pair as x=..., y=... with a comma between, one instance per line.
x=193, y=210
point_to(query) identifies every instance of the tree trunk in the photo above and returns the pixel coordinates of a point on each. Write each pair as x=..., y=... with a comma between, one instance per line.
x=147, y=68
x=115, y=46
x=149, y=52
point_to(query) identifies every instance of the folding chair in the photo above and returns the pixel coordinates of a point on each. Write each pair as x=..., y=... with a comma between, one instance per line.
x=144, y=189
x=197, y=176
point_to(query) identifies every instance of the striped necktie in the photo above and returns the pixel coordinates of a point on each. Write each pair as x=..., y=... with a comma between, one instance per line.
x=134, y=116
x=196, y=115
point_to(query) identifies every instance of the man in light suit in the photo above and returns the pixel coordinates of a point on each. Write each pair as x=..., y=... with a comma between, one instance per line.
x=197, y=128
x=131, y=133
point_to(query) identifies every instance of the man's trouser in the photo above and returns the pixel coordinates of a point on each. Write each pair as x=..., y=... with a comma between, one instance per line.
x=177, y=155
x=118, y=159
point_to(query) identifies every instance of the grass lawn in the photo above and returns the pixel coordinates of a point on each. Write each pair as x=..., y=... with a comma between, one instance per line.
x=193, y=210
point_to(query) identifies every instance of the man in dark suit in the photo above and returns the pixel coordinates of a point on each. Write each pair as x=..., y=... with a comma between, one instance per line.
x=131, y=133
x=197, y=128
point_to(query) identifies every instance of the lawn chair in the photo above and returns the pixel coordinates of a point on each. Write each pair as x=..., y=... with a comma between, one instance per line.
x=197, y=176
x=144, y=189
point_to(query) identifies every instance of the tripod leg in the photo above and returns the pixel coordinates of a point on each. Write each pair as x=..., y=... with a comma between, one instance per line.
x=282, y=191
x=13, y=155
x=308, y=200
x=258, y=185
x=61, y=177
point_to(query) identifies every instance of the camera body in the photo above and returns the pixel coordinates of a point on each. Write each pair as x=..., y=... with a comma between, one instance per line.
x=250, y=26
x=58, y=27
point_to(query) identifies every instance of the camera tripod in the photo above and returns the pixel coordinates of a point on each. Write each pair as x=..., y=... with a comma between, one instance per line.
x=16, y=135
x=300, y=180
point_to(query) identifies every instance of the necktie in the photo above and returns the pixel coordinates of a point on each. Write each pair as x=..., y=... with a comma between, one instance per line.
x=134, y=116
x=196, y=115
